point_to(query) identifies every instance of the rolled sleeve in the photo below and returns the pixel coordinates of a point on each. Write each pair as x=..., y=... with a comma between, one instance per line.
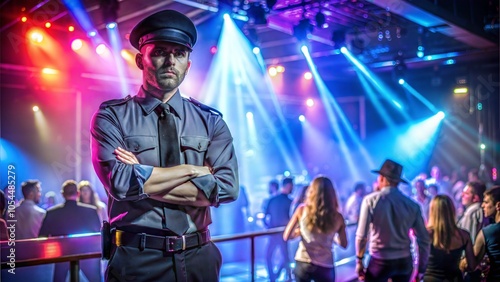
x=364, y=220
x=207, y=185
x=223, y=185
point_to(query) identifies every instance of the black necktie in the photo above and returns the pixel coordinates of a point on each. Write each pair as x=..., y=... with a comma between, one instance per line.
x=169, y=141
x=170, y=156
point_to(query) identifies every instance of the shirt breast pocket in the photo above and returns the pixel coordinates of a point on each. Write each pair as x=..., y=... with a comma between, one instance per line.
x=194, y=149
x=144, y=147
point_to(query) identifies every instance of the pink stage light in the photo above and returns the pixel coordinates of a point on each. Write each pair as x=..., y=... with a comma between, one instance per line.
x=36, y=37
x=101, y=49
x=308, y=75
x=272, y=71
x=76, y=44
x=310, y=102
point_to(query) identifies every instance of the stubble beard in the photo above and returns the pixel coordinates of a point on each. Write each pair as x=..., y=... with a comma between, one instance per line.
x=171, y=83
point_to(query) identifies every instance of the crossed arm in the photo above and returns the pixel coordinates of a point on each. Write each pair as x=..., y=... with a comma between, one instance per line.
x=171, y=184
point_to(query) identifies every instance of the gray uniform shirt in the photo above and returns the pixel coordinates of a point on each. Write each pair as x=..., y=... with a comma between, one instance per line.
x=132, y=123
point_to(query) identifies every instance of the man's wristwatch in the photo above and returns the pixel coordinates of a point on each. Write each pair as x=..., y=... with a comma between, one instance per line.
x=359, y=258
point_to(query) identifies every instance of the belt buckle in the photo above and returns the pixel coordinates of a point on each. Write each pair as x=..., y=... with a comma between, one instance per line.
x=118, y=237
x=170, y=243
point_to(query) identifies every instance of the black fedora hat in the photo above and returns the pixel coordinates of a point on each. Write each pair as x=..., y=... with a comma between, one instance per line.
x=167, y=26
x=391, y=170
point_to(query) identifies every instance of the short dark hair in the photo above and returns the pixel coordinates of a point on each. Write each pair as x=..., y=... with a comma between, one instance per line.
x=477, y=188
x=287, y=180
x=474, y=171
x=274, y=183
x=359, y=186
x=494, y=193
x=29, y=186
x=70, y=188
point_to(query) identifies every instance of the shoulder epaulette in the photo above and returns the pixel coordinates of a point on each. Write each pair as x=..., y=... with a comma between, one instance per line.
x=115, y=102
x=203, y=106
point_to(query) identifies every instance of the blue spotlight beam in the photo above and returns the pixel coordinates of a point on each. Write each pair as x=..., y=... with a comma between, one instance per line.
x=229, y=83
x=413, y=144
x=77, y=10
x=383, y=89
x=75, y=7
x=419, y=96
x=376, y=103
x=283, y=124
x=116, y=47
x=328, y=100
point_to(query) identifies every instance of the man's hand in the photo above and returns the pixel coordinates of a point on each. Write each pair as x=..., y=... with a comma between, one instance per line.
x=360, y=270
x=125, y=156
x=463, y=265
x=129, y=158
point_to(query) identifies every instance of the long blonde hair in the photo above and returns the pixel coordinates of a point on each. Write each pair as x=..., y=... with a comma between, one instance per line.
x=442, y=222
x=321, y=205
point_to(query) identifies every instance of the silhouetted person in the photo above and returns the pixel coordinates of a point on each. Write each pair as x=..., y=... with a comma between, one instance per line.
x=89, y=196
x=278, y=214
x=72, y=217
x=353, y=203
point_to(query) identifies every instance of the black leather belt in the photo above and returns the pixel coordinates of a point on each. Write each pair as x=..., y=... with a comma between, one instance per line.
x=165, y=243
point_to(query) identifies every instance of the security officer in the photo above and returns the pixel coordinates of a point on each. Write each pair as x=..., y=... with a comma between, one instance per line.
x=164, y=160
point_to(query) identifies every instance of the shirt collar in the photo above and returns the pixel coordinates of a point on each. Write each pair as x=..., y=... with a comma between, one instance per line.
x=28, y=202
x=175, y=103
x=148, y=102
x=388, y=189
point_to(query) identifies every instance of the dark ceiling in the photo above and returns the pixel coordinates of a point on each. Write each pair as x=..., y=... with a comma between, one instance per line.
x=378, y=32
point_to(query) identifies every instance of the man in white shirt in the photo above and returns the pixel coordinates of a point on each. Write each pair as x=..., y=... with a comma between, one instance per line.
x=472, y=219
x=29, y=216
x=353, y=204
x=472, y=197
x=389, y=216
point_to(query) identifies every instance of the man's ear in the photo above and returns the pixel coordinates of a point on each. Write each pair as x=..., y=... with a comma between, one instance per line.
x=188, y=67
x=138, y=61
x=497, y=206
x=475, y=199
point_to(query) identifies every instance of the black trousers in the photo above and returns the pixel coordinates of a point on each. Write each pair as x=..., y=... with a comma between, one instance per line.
x=306, y=272
x=399, y=270
x=197, y=264
x=276, y=242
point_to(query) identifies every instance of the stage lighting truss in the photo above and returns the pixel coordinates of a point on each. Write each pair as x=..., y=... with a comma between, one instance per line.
x=302, y=30
x=109, y=9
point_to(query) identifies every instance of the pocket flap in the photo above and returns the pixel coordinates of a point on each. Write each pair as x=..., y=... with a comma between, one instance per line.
x=198, y=143
x=137, y=144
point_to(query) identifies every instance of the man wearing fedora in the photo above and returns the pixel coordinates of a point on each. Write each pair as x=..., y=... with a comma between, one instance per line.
x=164, y=160
x=388, y=215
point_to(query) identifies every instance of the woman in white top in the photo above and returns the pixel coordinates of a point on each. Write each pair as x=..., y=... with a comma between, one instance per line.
x=319, y=223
